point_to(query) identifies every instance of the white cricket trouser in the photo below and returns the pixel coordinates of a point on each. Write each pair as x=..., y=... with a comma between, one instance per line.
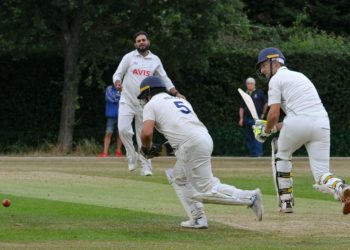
x=193, y=166
x=314, y=133
x=127, y=113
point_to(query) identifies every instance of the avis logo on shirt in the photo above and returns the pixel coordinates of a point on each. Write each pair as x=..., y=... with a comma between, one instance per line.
x=141, y=72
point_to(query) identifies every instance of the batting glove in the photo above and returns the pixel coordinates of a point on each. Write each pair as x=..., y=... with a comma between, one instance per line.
x=259, y=122
x=151, y=152
x=259, y=133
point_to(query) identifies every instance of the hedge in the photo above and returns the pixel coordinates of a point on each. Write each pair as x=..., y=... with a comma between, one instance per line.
x=31, y=96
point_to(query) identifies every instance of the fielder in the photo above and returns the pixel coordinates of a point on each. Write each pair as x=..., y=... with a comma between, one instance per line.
x=134, y=67
x=306, y=123
x=191, y=177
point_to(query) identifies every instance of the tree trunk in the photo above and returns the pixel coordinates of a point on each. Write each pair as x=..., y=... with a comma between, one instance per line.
x=70, y=34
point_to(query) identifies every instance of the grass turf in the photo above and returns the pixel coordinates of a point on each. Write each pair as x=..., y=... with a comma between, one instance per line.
x=75, y=216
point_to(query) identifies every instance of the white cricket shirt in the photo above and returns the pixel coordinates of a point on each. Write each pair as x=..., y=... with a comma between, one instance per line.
x=132, y=69
x=296, y=94
x=174, y=118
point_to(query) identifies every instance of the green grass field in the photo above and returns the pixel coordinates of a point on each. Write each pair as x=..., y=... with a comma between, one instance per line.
x=90, y=203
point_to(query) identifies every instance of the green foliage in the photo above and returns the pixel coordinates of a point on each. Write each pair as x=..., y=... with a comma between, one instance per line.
x=108, y=27
x=88, y=32
x=329, y=16
x=33, y=118
x=216, y=100
x=30, y=99
x=207, y=49
x=301, y=39
x=296, y=38
x=273, y=12
x=87, y=147
x=193, y=30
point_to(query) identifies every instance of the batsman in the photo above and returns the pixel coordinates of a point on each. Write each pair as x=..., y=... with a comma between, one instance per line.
x=306, y=123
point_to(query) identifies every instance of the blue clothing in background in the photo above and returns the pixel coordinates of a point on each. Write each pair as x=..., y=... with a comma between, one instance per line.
x=112, y=98
x=255, y=148
x=259, y=98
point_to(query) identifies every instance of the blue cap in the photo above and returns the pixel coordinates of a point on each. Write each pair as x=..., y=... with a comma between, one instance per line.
x=269, y=53
x=149, y=83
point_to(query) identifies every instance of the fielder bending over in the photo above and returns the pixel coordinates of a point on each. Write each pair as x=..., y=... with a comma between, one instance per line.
x=306, y=123
x=191, y=177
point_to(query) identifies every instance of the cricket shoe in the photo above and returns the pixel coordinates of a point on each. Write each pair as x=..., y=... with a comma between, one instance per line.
x=132, y=166
x=146, y=172
x=345, y=199
x=146, y=168
x=199, y=223
x=257, y=205
x=132, y=162
x=286, y=206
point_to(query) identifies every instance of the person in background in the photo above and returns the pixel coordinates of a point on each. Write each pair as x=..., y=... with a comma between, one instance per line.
x=112, y=97
x=246, y=120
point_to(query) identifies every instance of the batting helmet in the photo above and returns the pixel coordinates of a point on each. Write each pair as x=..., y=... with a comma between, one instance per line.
x=270, y=53
x=150, y=83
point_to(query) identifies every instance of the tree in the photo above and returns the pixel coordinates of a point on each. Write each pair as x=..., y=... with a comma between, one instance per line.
x=54, y=25
x=88, y=32
x=272, y=13
x=71, y=26
x=330, y=15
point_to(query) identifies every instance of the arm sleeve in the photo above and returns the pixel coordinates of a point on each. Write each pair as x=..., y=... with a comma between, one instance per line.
x=162, y=74
x=121, y=70
x=148, y=113
x=275, y=92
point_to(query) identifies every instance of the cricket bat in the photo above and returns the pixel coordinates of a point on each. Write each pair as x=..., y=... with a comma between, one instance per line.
x=250, y=105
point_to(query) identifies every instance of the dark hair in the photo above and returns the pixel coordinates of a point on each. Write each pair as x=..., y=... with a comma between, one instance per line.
x=141, y=33
x=152, y=92
x=155, y=91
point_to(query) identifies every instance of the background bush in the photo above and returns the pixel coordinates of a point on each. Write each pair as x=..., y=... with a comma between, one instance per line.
x=30, y=106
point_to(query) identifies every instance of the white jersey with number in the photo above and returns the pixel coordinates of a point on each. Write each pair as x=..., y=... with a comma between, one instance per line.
x=174, y=118
x=132, y=69
x=296, y=94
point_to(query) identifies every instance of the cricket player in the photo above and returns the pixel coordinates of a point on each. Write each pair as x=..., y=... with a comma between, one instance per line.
x=133, y=68
x=191, y=177
x=306, y=123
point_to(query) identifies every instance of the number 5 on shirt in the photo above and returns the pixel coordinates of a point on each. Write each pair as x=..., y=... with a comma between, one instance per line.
x=180, y=105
